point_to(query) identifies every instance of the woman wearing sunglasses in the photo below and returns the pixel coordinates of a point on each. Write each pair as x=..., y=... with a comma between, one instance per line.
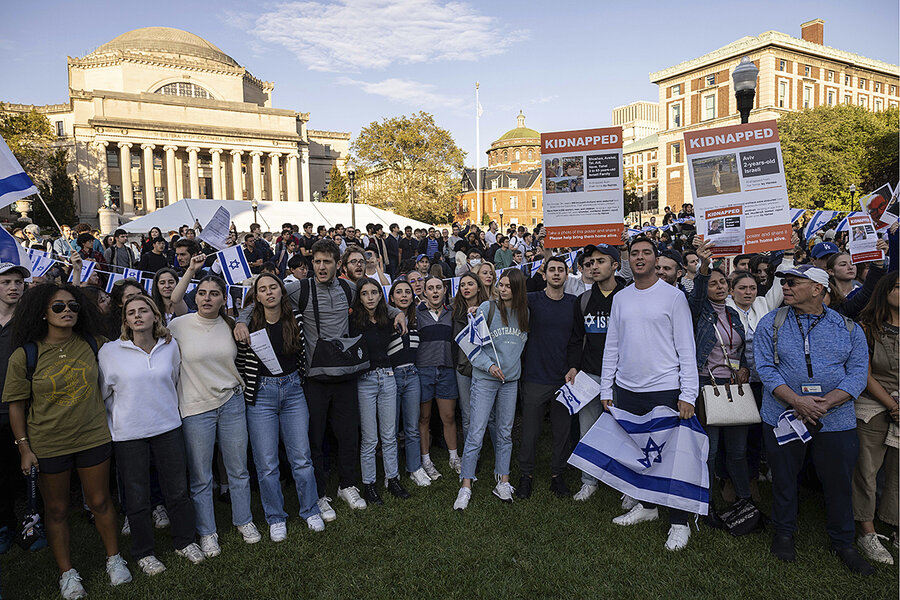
x=64, y=426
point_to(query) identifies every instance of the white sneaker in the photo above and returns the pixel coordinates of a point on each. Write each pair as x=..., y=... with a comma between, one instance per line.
x=150, y=565
x=628, y=502
x=250, y=533
x=351, y=496
x=117, y=571
x=316, y=523
x=278, y=532
x=328, y=513
x=872, y=548
x=462, y=498
x=420, y=477
x=160, y=517
x=431, y=471
x=70, y=585
x=456, y=465
x=504, y=490
x=678, y=537
x=587, y=490
x=209, y=545
x=193, y=553
x=636, y=515
x=126, y=527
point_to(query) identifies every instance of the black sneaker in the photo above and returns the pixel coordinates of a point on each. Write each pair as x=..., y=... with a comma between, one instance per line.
x=370, y=493
x=713, y=520
x=853, y=561
x=523, y=490
x=397, y=490
x=783, y=547
x=558, y=486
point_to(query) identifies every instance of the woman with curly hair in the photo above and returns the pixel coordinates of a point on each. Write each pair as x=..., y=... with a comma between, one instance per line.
x=54, y=372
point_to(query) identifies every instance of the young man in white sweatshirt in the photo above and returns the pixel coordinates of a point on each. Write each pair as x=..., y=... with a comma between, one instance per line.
x=650, y=360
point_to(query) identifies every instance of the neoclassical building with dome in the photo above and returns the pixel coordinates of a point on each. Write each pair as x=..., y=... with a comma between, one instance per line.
x=159, y=114
x=510, y=183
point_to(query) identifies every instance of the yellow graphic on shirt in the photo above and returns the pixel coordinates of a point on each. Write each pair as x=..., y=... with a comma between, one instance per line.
x=69, y=384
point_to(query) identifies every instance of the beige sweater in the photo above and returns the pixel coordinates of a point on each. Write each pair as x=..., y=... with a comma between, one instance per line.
x=208, y=374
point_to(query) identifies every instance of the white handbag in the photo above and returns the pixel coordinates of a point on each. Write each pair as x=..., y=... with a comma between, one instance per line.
x=729, y=404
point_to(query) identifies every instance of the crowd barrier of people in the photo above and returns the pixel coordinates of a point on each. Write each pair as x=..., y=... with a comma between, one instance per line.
x=346, y=342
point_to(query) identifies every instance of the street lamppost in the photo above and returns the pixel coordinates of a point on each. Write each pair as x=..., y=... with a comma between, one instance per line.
x=852, y=195
x=501, y=218
x=744, y=77
x=254, y=204
x=351, y=175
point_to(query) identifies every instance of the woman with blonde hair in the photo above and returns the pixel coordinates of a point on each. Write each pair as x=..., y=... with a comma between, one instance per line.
x=487, y=273
x=138, y=381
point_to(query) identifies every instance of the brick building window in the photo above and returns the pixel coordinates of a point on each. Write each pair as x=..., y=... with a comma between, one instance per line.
x=878, y=87
x=864, y=102
x=709, y=107
x=494, y=204
x=782, y=65
x=807, y=96
x=60, y=129
x=676, y=152
x=782, y=94
x=711, y=79
x=893, y=90
x=848, y=80
x=513, y=202
x=879, y=104
x=675, y=115
x=517, y=156
x=830, y=97
x=506, y=156
x=676, y=89
x=807, y=70
x=530, y=154
x=652, y=171
x=829, y=76
x=534, y=202
x=848, y=99
x=112, y=159
x=862, y=84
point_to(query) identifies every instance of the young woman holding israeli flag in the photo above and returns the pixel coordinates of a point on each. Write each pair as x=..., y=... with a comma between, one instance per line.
x=495, y=378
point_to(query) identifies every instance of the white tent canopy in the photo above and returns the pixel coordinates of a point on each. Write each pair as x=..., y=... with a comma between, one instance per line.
x=270, y=215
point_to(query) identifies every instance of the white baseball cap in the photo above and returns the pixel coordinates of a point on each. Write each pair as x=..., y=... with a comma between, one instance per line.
x=806, y=272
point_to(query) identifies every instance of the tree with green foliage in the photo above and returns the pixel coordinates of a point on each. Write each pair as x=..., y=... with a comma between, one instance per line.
x=411, y=166
x=632, y=201
x=337, y=187
x=830, y=148
x=57, y=191
x=28, y=135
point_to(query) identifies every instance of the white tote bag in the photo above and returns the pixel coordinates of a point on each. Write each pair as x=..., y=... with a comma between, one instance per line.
x=729, y=404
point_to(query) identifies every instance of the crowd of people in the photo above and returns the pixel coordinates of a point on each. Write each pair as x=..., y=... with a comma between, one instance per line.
x=165, y=396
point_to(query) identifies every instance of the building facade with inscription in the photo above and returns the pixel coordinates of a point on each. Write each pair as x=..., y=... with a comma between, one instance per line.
x=159, y=114
x=794, y=74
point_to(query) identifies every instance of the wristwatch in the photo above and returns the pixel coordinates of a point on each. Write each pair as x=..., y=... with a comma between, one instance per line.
x=20, y=440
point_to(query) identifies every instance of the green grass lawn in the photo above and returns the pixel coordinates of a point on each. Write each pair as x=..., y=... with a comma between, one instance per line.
x=544, y=547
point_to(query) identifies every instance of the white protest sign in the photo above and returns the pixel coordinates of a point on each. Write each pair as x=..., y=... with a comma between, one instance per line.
x=582, y=185
x=740, y=194
x=862, y=239
x=262, y=347
x=216, y=231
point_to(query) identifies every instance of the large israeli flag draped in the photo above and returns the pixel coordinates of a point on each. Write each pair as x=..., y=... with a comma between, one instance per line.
x=818, y=221
x=14, y=183
x=656, y=458
x=234, y=265
x=473, y=336
x=12, y=251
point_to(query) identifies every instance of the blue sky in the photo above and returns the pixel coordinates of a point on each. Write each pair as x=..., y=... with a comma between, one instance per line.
x=350, y=62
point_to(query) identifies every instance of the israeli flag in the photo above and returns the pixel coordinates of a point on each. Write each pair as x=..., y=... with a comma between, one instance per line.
x=656, y=458
x=818, y=221
x=11, y=251
x=473, y=336
x=789, y=428
x=633, y=232
x=844, y=224
x=87, y=269
x=111, y=282
x=454, y=286
x=133, y=274
x=535, y=267
x=40, y=264
x=387, y=292
x=148, y=286
x=15, y=184
x=796, y=213
x=234, y=265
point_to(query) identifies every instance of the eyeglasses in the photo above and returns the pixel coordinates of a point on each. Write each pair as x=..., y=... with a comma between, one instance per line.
x=72, y=305
x=793, y=282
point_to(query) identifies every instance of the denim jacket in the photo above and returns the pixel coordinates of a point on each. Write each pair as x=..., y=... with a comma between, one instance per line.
x=705, y=318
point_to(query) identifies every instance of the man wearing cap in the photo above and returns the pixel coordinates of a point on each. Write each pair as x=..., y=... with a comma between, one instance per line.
x=669, y=268
x=820, y=253
x=588, y=338
x=815, y=363
x=422, y=264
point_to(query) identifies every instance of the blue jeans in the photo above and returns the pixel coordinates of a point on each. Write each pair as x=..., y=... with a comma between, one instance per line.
x=377, y=394
x=488, y=396
x=200, y=434
x=281, y=408
x=407, y=380
x=733, y=438
x=464, y=383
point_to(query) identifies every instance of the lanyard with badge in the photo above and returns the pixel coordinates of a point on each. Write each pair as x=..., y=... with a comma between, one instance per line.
x=733, y=365
x=808, y=388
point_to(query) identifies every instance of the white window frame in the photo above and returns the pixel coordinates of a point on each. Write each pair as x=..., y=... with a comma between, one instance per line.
x=494, y=204
x=782, y=64
x=830, y=97
x=807, y=96
x=705, y=107
x=782, y=93
x=675, y=116
x=534, y=202
x=513, y=202
x=513, y=184
x=878, y=105
x=710, y=80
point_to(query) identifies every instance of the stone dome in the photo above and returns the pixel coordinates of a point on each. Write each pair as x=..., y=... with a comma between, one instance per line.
x=520, y=132
x=168, y=41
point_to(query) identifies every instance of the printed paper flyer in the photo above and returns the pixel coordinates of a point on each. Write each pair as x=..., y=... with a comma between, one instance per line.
x=582, y=181
x=862, y=239
x=739, y=167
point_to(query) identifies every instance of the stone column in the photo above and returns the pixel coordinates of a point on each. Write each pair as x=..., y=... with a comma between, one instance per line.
x=101, y=145
x=171, y=181
x=126, y=196
x=194, y=171
x=275, y=175
x=217, y=173
x=257, y=175
x=149, y=179
x=237, y=178
x=304, y=172
x=293, y=187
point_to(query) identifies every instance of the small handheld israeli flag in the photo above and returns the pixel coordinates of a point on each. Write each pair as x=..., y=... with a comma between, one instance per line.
x=796, y=213
x=234, y=265
x=454, y=286
x=148, y=286
x=87, y=269
x=40, y=264
x=536, y=266
x=15, y=184
x=844, y=224
x=473, y=336
x=133, y=274
x=789, y=428
x=111, y=282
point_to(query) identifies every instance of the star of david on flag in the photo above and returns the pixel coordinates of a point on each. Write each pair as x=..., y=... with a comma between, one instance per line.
x=234, y=265
x=473, y=336
x=656, y=457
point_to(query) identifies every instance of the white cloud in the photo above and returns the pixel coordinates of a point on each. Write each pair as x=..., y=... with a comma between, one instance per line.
x=405, y=91
x=351, y=35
